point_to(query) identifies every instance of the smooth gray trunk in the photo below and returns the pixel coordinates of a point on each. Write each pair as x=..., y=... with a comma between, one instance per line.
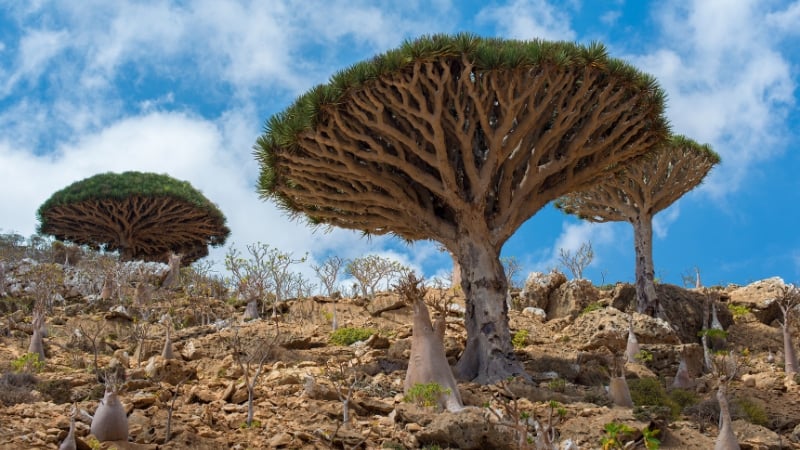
x=788, y=351
x=632, y=348
x=619, y=393
x=251, y=310
x=726, y=440
x=488, y=355
x=646, y=299
x=110, y=423
x=682, y=379
x=37, y=344
x=428, y=362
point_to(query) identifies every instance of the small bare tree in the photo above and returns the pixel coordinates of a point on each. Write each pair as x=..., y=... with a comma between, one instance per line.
x=789, y=302
x=344, y=379
x=369, y=271
x=576, y=262
x=139, y=334
x=90, y=331
x=512, y=268
x=251, y=358
x=328, y=273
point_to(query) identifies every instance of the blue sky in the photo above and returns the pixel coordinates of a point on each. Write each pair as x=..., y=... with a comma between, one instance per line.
x=184, y=88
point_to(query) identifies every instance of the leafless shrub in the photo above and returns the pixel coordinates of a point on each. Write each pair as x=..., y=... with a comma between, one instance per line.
x=371, y=270
x=576, y=262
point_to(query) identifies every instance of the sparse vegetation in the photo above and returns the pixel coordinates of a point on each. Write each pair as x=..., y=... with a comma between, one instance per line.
x=425, y=394
x=520, y=339
x=649, y=392
x=738, y=311
x=350, y=335
x=28, y=362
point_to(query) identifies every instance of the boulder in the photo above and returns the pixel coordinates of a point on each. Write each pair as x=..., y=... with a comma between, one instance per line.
x=760, y=297
x=683, y=308
x=755, y=436
x=468, y=429
x=570, y=299
x=538, y=287
x=608, y=328
x=171, y=371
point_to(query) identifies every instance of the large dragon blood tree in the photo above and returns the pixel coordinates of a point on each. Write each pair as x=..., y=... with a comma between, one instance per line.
x=635, y=193
x=459, y=139
x=144, y=216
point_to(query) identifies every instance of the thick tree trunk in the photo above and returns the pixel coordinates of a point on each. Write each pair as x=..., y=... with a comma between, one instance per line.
x=646, y=300
x=788, y=351
x=488, y=356
x=726, y=440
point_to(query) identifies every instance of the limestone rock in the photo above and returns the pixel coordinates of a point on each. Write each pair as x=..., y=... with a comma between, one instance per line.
x=570, y=298
x=538, y=287
x=468, y=429
x=171, y=371
x=608, y=328
x=760, y=298
x=756, y=437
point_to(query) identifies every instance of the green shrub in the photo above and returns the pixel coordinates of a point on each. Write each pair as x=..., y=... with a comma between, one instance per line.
x=738, y=311
x=648, y=392
x=713, y=333
x=557, y=385
x=520, y=339
x=347, y=336
x=594, y=306
x=683, y=398
x=58, y=391
x=752, y=411
x=29, y=362
x=425, y=394
x=643, y=356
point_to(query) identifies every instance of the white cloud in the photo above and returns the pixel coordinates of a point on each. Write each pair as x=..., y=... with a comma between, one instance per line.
x=664, y=219
x=602, y=236
x=726, y=82
x=529, y=19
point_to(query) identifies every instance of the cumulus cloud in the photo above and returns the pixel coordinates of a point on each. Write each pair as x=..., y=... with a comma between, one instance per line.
x=727, y=84
x=529, y=19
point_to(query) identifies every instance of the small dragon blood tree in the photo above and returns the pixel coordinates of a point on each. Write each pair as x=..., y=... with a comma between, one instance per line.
x=144, y=216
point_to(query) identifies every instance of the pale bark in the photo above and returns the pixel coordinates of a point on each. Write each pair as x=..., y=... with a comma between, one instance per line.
x=69, y=442
x=488, y=355
x=632, y=348
x=37, y=345
x=646, y=299
x=167, y=352
x=172, y=279
x=790, y=356
x=619, y=393
x=682, y=379
x=726, y=440
x=251, y=310
x=110, y=423
x=428, y=361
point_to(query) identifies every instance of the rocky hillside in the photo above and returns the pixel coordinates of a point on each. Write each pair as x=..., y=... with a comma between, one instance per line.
x=567, y=333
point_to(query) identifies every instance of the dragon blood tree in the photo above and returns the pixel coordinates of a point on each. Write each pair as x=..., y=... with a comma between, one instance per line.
x=636, y=192
x=459, y=139
x=144, y=216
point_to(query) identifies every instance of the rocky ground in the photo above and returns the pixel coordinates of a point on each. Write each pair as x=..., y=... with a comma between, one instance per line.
x=566, y=345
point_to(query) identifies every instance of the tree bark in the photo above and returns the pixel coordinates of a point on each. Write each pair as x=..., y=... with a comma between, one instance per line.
x=790, y=358
x=646, y=300
x=488, y=355
x=726, y=440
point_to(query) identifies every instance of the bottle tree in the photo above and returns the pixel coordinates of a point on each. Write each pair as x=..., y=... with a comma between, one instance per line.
x=636, y=193
x=459, y=139
x=144, y=216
